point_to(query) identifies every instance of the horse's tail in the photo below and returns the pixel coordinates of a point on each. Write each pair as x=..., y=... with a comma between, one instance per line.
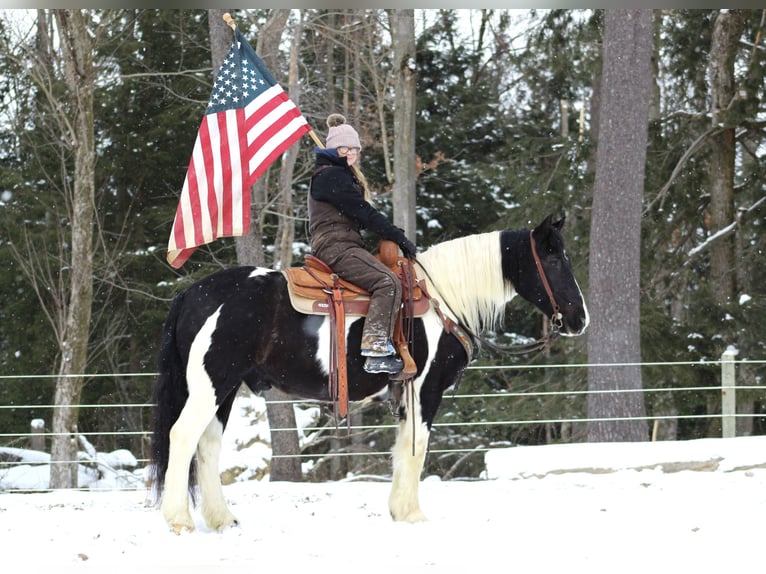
x=170, y=394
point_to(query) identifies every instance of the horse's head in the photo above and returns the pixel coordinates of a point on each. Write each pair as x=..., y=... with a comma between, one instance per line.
x=547, y=281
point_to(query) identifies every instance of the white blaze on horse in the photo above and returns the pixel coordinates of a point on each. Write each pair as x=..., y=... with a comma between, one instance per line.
x=238, y=326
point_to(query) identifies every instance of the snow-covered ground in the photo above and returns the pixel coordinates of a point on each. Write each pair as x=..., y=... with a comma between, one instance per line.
x=561, y=508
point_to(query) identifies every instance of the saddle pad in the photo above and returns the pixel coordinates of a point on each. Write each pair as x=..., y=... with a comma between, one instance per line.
x=308, y=296
x=312, y=284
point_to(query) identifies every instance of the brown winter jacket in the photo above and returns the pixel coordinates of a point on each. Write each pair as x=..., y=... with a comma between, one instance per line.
x=337, y=208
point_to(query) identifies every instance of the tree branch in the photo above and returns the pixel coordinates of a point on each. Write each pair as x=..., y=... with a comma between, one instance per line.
x=723, y=232
x=710, y=132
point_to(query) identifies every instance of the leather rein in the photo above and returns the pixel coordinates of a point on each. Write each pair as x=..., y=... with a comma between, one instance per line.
x=543, y=343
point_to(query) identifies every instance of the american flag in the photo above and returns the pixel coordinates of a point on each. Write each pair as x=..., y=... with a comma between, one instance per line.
x=249, y=123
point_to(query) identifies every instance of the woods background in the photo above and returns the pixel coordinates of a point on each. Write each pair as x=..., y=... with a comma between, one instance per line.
x=471, y=120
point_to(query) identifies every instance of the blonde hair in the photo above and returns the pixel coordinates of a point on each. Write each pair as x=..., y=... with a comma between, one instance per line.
x=334, y=120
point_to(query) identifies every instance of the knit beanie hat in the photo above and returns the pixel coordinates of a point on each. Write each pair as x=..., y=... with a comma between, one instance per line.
x=340, y=133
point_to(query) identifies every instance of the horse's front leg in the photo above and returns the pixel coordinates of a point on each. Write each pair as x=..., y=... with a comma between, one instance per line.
x=409, y=454
x=214, y=510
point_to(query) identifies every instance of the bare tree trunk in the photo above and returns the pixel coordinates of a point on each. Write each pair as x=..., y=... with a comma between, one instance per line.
x=77, y=50
x=284, y=443
x=595, y=110
x=727, y=30
x=405, y=73
x=286, y=227
x=249, y=248
x=380, y=85
x=614, y=335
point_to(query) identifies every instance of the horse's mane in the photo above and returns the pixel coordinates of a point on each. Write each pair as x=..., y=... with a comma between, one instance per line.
x=466, y=276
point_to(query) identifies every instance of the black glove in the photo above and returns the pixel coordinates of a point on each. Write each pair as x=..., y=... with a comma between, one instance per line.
x=408, y=248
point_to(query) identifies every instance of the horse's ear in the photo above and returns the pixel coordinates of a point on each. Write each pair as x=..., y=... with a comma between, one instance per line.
x=560, y=223
x=544, y=229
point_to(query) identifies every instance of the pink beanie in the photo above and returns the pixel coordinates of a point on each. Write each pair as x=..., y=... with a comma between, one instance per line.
x=340, y=133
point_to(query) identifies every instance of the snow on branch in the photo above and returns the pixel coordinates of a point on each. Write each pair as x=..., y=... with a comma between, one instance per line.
x=717, y=235
x=723, y=232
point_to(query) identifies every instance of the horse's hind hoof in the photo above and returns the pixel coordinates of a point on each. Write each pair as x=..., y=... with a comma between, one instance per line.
x=179, y=528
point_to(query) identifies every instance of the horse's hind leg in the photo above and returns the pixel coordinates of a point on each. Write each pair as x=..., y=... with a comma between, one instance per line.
x=409, y=454
x=185, y=434
x=214, y=510
x=184, y=437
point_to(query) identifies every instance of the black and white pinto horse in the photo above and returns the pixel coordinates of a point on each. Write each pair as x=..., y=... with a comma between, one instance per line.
x=238, y=325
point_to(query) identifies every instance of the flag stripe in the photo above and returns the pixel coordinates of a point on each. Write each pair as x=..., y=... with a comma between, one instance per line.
x=241, y=187
x=274, y=147
x=205, y=186
x=191, y=209
x=225, y=152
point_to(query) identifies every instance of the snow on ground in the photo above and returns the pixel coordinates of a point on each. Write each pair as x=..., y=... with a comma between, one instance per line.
x=574, y=508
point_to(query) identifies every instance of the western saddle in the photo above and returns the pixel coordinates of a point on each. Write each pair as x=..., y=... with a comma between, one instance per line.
x=315, y=290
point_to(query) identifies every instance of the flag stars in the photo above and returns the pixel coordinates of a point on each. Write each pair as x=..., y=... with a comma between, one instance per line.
x=238, y=82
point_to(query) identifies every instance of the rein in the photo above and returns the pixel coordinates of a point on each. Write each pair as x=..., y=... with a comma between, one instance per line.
x=543, y=343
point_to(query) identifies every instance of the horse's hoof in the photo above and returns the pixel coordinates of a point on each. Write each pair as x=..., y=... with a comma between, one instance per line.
x=180, y=523
x=415, y=517
x=411, y=517
x=233, y=523
x=219, y=521
x=179, y=528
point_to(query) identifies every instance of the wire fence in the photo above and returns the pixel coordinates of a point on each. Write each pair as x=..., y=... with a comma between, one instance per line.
x=37, y=436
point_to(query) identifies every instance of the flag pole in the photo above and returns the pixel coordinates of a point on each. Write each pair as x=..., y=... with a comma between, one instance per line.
x=230, y=21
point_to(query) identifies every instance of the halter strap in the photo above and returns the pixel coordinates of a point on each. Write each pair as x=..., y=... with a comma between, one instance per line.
x=556, y=314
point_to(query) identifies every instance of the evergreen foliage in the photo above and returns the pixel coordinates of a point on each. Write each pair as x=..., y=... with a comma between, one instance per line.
x=494, y=151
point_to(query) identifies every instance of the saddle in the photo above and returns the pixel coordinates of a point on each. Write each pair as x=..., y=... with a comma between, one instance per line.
x=314, y=289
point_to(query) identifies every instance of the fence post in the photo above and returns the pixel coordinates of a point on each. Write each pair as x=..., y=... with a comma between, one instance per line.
x=37, y=441
x=728, y=393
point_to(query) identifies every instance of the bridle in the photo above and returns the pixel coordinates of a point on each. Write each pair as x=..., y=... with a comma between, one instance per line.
x=541, y=344
x=556, y=317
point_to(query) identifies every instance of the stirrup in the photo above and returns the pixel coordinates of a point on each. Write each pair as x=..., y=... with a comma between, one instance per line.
x=380, y=348
x=390, y=364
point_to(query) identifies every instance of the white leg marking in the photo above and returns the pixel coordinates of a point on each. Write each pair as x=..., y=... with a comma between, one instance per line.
x=408, y=457
x=197, y=413
x=409, y=452
x=214, y=510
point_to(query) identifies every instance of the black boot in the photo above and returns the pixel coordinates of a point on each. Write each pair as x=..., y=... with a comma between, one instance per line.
x=390, y=364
